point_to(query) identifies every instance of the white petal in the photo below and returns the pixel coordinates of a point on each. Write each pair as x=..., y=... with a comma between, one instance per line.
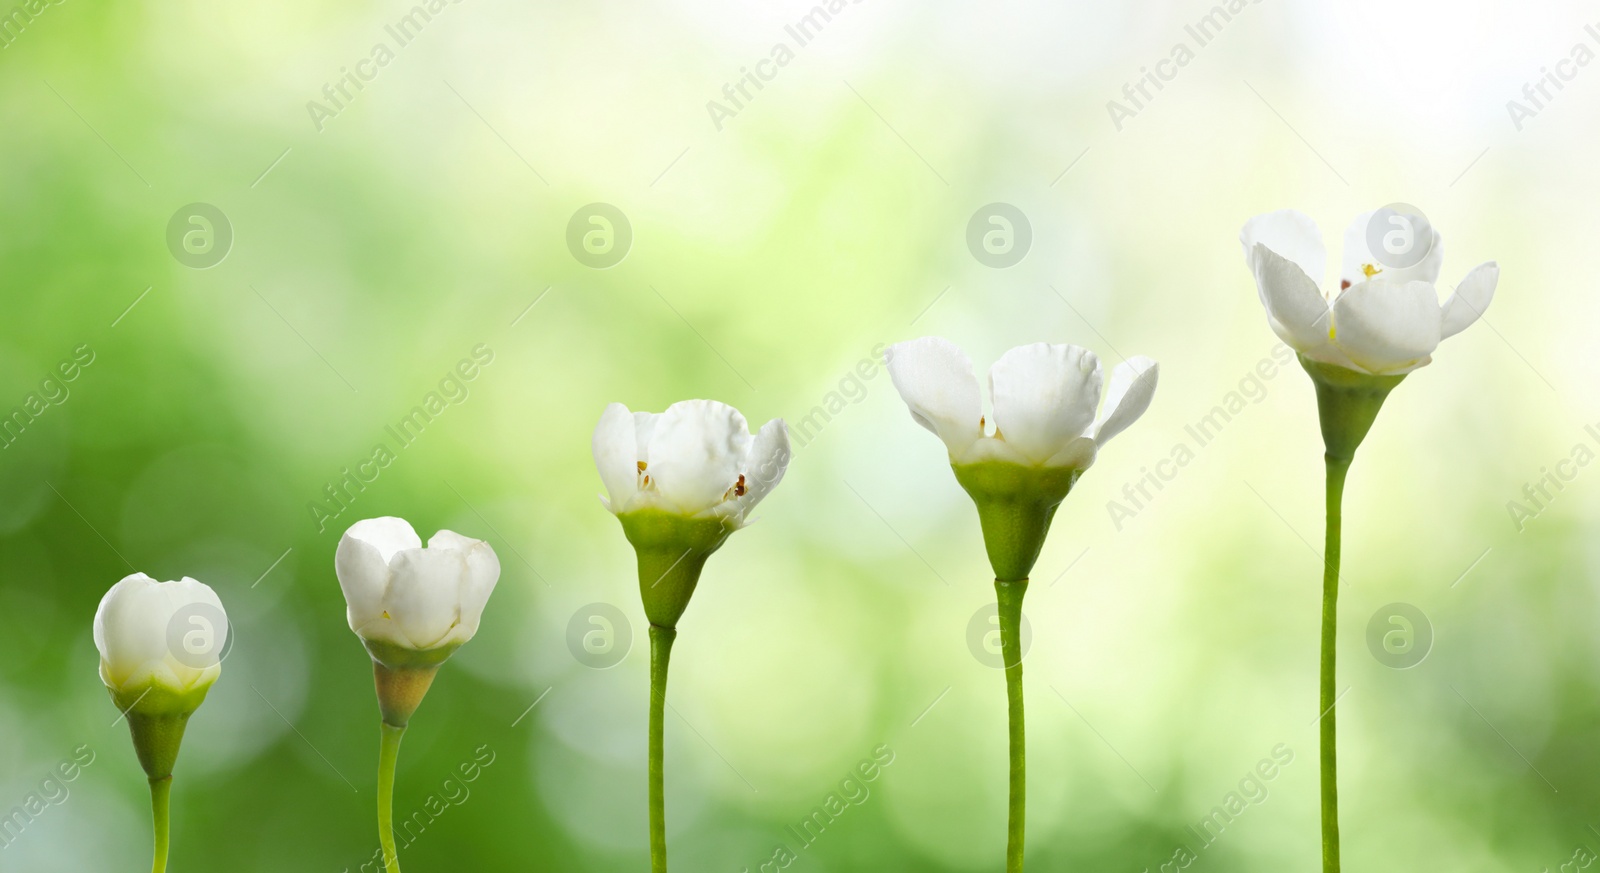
x=1296, y=310
x=1133, y=383
x=935, y=379
x=1398, y=237
x=111, y=607
x=991, y=449
x=644, y=427
x=1078, y=454
x=616, y=454
x=151, y=673
x=202, y=634
x=1332, y=354
x=1044, y=397
x=1470, y=299
x=1388, y=328
x=696, y=451
x=483, y=571
x=362, y=567
x=769, y=459
x=1290, y=234
x=449, y=539
x=130, y=628
x=389, y=535
x=424, y=599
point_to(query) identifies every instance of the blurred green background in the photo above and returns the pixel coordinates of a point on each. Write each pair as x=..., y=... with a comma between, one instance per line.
x=774, y=247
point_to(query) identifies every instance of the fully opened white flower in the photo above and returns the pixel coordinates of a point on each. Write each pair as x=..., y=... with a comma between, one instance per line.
x=160, y=635
x=1385, y=319
x=401, y=594
x=1045, y=399
x=697, y=459
x=1357, y=344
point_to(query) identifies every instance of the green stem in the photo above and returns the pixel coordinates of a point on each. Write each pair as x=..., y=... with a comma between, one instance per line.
x=388, y=756
x=660, y=653
x=161, y=807
x=1009, y=596
x=1337, y=468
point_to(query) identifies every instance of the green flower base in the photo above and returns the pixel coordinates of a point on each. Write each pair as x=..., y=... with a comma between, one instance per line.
x=672, y=550
x=1347, y=403
x=157, y=717
x=403, y=677
x=1015, y=506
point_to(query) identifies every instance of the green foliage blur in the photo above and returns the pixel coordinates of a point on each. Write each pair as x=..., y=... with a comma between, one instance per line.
x=396, y=212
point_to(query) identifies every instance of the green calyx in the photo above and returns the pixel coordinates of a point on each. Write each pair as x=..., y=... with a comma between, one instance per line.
x=1347, y=403
x=1015, y=506
x=672, y=550
x=157, y=716
x=403, y=676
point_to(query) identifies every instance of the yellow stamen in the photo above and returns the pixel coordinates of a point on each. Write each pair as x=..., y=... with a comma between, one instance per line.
x=1370, y=270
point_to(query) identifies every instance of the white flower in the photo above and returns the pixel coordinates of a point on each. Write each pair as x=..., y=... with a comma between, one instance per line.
x=402, y=594
x=1384, y=320
x=697, y=459
x=165, y=634
x=1044, y=401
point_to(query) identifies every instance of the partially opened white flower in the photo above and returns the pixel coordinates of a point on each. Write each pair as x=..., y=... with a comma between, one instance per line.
x=401, y=594
x=412, y=607
x=1018, y=464
x=697, y=459
x=1046, y=428
x=1045, y=398
x=159, y=635
x=1385, y=319
x=680, y=483
x=1357, y=344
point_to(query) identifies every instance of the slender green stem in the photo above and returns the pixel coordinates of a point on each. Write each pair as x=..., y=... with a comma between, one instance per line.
x=388, y=756
x=1337, y=468
x=161, y=807
x=1009, y=596
x=660, y=652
